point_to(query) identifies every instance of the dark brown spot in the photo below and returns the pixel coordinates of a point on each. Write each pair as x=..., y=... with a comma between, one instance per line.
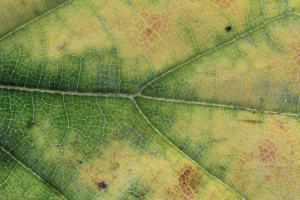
x=102, y=185
x=228, y=28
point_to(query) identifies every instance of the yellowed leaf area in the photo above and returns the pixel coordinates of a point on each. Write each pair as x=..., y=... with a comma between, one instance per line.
x=165, y=32
x=261, y=152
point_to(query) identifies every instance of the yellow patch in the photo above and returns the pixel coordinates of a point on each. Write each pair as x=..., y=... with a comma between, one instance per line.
x=39, y=132
x=58, y=34
x=53, y=155
x=88, y=31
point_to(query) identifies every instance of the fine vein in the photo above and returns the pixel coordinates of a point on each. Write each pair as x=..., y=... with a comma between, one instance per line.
x=28, y=169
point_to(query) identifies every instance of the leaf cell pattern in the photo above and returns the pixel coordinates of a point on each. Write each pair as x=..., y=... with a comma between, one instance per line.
x=149, y=99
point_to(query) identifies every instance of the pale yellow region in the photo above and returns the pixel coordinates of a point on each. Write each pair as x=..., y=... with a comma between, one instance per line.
x=272, y=9
x=190, y=123
x=71, y=154
x=205, y=20
x=241, y=68
x=294, y=4
x=289, y=40
x=204, y=79
x=39, y=132
x=229, y=86
x=223, y=124
x=265, y=62
x=113, y=11
x=88, y=31
x=181, y=43
x=14, y=14
x=216, y=190
x=53, y=154
x=58, y=34
x=248, y=132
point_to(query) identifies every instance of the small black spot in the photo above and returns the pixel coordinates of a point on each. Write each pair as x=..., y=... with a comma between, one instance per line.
x=228, y=28
x=80, y=162
x=102, y=185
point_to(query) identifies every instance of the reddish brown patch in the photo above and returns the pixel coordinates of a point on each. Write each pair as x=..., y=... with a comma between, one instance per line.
x=224, y=4
x=280, y=124
x=158, y=25
x=268, y=178
x=268, y=150
x=188, y=184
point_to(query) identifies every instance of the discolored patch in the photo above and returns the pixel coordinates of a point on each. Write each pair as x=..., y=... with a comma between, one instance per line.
x=268, y=150
x=158, y=25
x=188, y=184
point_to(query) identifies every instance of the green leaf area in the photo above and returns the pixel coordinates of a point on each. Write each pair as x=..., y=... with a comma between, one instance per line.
x=150, y=99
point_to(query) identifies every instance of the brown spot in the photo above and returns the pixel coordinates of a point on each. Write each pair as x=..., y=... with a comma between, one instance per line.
x=224, y=4
x=280, y=124
x=268, y=178
x=268, y=151
x=188, y=183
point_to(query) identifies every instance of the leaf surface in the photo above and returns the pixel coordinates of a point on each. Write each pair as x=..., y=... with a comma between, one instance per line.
x=149, y=99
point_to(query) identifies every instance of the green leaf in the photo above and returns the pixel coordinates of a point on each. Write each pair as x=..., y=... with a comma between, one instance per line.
x=149, y=99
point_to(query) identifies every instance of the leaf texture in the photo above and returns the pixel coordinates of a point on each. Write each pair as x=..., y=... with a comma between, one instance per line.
x=149, y=99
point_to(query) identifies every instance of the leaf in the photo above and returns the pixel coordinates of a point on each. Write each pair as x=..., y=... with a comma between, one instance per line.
x=149, y=99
